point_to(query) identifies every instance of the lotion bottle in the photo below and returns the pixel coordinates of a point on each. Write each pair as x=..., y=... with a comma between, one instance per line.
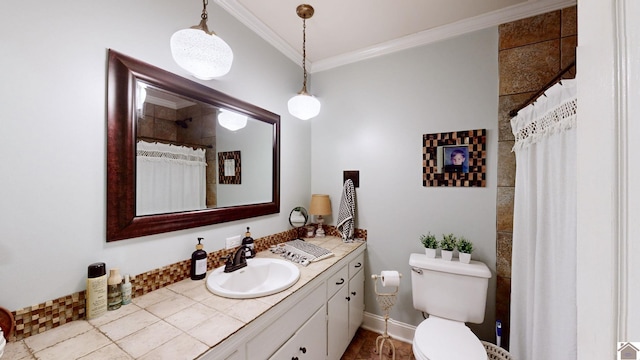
x=126, y=290
x=198, y=262
x=249, y=243
x=114, y=290
x=96, y=293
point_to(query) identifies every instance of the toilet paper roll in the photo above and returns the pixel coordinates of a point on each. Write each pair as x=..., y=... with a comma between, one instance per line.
x=390, y=278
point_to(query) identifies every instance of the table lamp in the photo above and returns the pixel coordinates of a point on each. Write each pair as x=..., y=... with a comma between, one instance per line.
x=320, y=205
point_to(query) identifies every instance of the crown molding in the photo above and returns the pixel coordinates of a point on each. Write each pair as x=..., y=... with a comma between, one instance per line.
x=247, y=18
x=494, y=18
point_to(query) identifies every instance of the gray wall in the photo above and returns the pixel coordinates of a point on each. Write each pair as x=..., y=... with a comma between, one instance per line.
x=53, y=140
x=373, y=117
x=53, y=71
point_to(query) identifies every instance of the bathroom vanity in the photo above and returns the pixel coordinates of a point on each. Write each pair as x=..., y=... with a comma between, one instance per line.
x=315, y=318
x=316, y=321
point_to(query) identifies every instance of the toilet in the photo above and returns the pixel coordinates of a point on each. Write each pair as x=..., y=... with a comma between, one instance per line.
x=451, y=293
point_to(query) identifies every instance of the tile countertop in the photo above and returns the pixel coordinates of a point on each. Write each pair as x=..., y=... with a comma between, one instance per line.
x=180, y=321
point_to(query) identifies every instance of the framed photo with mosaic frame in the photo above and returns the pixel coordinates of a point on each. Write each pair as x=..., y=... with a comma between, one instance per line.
x=454, y=159
x=229, y=168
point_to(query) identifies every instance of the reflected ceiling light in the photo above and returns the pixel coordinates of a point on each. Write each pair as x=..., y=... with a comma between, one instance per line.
x=200, y=51
x=231, y=120
x=304, y=106
x=141, y=96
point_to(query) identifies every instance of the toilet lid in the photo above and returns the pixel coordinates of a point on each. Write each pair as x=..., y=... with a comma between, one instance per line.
x=442, y=339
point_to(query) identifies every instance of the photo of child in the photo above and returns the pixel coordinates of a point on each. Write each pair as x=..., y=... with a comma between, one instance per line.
x=456, y=159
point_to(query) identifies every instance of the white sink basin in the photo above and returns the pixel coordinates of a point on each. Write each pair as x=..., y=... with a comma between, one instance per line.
x=261, y=277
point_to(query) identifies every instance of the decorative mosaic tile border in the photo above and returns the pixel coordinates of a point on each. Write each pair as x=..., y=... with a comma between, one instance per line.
x=33, y=320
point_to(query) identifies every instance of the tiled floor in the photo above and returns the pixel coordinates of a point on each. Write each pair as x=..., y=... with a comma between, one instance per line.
x=363, y=347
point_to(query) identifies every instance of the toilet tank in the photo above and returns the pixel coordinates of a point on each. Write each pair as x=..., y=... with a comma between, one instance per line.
x=449, y=289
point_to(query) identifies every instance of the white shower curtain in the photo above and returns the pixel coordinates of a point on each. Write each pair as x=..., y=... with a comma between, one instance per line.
x=543, y=277
x=169, y=178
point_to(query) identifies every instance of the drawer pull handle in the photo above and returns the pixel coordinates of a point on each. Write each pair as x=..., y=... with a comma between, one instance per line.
x=294, y=358
x=304, y=350
x=348, y=298
x=353, y=293
x=340, y=282
x=357, y=265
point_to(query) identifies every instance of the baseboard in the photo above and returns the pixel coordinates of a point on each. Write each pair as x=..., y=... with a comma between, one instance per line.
x=395, y=329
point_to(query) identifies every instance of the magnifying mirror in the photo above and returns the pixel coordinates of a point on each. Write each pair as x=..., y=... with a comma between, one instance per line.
x=298, y=219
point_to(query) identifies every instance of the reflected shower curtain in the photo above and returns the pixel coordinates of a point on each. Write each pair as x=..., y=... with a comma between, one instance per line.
x=543, y=277
x=169, y=178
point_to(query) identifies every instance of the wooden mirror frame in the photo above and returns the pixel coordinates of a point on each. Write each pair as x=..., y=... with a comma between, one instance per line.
x=122, y=222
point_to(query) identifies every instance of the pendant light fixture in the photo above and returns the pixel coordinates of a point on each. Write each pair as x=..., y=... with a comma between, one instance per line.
x=201, y=52
x=304, y=106
x=231, y=120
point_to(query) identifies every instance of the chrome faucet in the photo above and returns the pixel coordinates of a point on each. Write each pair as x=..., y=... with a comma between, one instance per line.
x=236, y=261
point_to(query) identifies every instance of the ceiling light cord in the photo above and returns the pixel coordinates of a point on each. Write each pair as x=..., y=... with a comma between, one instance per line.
x=304, y=56
x=204, y=15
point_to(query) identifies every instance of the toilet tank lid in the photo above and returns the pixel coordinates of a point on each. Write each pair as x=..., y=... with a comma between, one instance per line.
x=474, y=268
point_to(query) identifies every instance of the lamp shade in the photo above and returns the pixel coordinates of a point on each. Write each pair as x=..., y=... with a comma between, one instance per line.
x=304, y=106
x=232, y=121
x=320, y=205
x=203, y=55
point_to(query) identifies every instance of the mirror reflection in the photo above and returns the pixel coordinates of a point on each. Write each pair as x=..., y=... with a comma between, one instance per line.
x=182, y=154
x=232, y=150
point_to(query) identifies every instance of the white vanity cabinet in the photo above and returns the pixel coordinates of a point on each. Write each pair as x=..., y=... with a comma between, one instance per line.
x=316, y=322
x=345, y=308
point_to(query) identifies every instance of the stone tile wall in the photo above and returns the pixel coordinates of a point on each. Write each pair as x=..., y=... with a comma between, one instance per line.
x=532, y=51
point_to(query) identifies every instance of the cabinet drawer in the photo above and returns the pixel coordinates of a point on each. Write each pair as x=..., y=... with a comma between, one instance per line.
x=276, y=334
x=356, y=265
x=309, y=343
x=337, y=281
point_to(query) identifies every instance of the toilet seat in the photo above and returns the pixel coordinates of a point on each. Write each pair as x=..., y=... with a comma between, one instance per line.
x=441, y=339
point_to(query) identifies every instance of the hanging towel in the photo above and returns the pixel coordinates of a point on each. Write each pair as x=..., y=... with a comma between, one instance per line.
x=346, y=217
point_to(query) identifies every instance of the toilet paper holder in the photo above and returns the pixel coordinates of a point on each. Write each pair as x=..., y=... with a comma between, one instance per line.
x=386, y=302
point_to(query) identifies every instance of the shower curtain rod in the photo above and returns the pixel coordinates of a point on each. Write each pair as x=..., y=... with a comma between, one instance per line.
x=147, y=138
x=535, y=96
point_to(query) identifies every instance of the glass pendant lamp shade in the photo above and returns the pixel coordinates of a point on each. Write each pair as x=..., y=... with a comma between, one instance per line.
x=304, y=106
x=232, y=121
x=201, y=52
x=205, y=56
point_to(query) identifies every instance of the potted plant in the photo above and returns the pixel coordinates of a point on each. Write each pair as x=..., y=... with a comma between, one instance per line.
x=447, y=244
x=465, y=247
x=430, y=244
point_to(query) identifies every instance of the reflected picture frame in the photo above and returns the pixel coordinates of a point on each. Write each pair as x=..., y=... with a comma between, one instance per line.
x=229, y=168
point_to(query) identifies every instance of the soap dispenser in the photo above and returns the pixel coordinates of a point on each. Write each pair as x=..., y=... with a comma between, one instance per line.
x=198, y=262
x=250, y=250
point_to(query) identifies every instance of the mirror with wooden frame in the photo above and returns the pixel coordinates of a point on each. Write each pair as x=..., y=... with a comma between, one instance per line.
x=239, y=174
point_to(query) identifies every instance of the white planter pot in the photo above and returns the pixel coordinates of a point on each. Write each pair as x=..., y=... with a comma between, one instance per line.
x=447, y=255
x=431, y=253
x=464, y=258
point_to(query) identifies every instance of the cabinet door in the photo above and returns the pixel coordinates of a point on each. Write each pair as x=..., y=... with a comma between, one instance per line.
x=308, y=343
x=338, y=324
x=268, y=341
x=356, y=302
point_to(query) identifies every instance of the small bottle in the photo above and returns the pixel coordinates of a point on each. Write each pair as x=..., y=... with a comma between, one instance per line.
x=250, y=250
x=96, y=293
x=198, y=262
x=114, y=290
x=126, y=290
